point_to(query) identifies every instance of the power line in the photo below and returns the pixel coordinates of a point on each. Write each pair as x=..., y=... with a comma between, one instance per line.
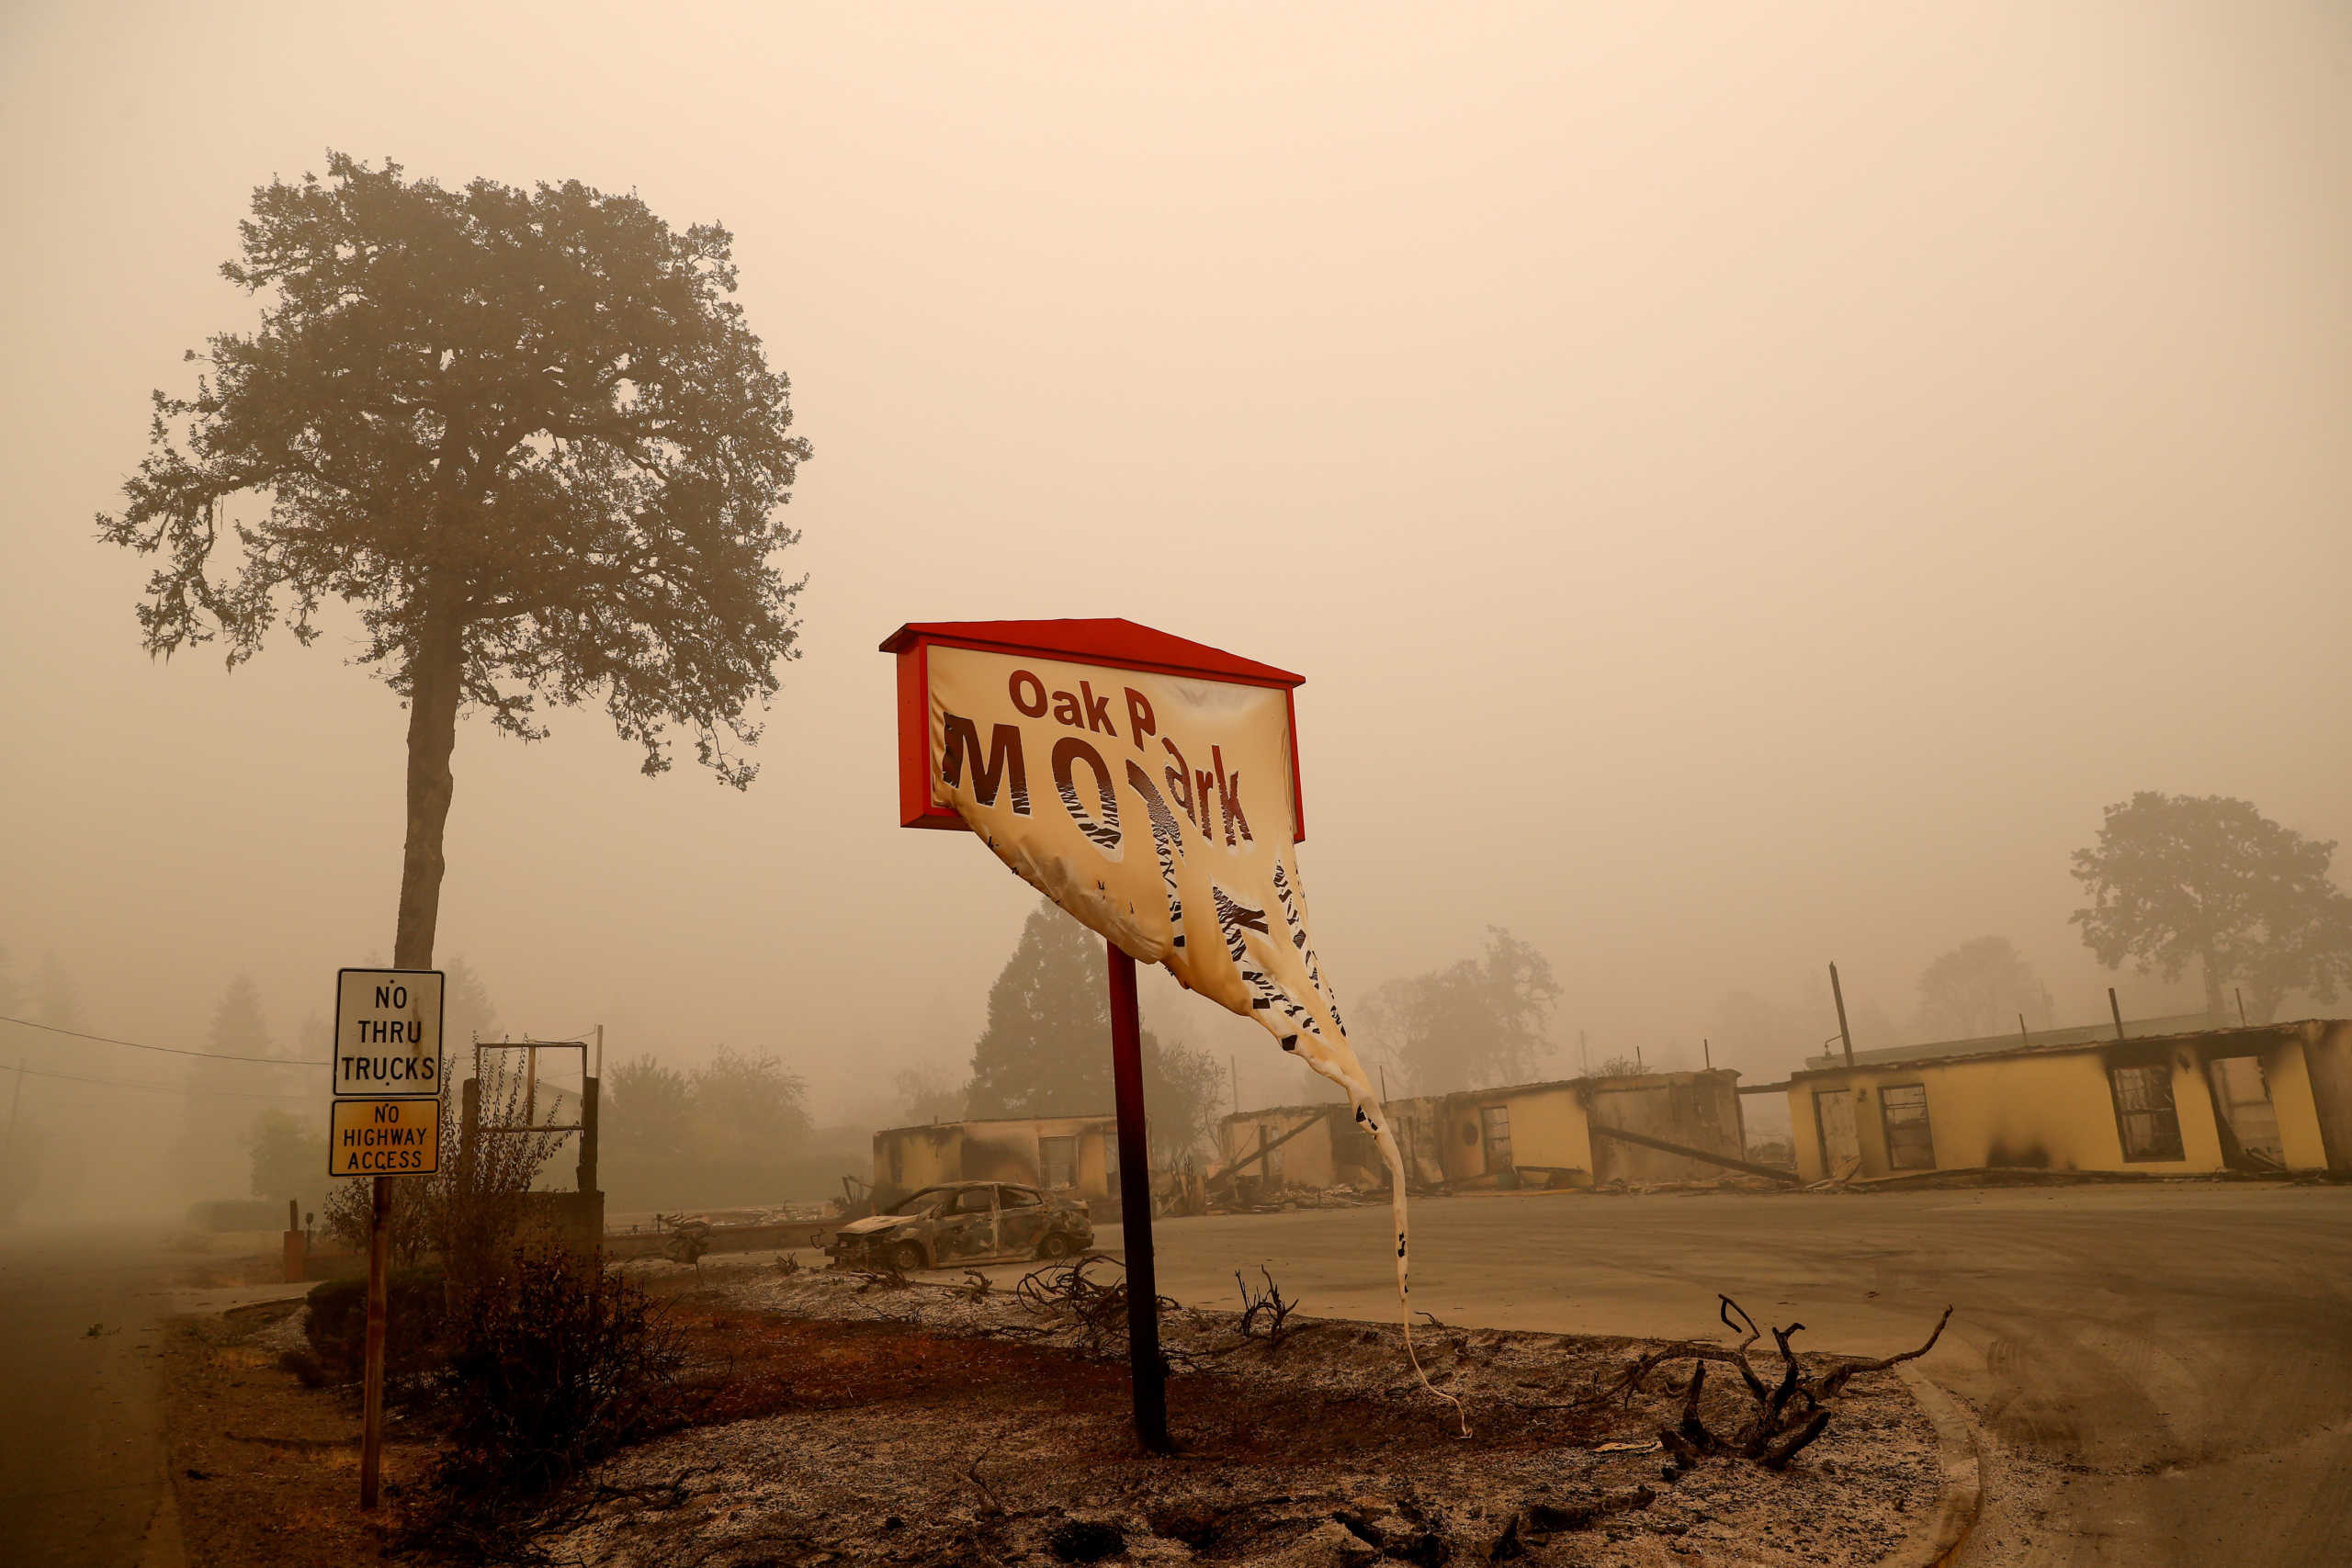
x=165, y=1088
x=169, y=1050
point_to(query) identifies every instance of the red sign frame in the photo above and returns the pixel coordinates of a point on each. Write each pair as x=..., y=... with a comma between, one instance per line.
x=1109, y=644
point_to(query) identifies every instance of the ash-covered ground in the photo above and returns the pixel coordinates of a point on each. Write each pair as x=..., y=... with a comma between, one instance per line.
x=854, y=1421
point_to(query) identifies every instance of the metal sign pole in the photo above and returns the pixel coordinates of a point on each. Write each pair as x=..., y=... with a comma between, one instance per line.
x=1144, y=1365
x=372, y=1438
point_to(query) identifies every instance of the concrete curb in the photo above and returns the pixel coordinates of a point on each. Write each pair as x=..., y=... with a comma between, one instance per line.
x=1935, y=1540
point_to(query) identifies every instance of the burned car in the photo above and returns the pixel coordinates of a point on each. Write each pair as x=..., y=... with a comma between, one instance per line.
x=965, y=1222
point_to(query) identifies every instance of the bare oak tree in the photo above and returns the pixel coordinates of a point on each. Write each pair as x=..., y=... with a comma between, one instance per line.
x=526, y=434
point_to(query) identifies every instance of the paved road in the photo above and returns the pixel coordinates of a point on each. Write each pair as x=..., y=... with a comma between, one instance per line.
x=82, y=1476
x=2167, y=1368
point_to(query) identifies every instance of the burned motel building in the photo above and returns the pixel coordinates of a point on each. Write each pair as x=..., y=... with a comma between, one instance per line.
x=1636, y=1128
x=1076, y=1156
x=2265, y=1099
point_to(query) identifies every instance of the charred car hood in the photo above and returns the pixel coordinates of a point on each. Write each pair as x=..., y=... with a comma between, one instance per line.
x=876, y=1222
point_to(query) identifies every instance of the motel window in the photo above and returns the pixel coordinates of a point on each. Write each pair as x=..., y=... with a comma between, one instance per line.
x=1904, y=1108
x=1494, y=1123
x=2145, y=1112
x=1057, y=1162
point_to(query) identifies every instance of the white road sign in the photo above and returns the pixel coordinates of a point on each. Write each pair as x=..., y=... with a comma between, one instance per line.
x=387, y=1034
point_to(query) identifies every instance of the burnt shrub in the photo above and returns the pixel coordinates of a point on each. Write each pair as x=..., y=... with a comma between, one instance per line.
x=555, y=1360
x=336, y=1326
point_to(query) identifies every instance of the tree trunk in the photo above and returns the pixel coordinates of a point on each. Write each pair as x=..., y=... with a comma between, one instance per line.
x=435, y=676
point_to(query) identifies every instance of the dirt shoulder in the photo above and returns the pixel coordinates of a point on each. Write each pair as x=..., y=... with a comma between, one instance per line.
x=264, y=1470
x=863, y=1423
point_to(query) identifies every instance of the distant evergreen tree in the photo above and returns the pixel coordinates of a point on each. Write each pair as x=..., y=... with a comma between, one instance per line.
x=210, y=1156
x=1047, y=1050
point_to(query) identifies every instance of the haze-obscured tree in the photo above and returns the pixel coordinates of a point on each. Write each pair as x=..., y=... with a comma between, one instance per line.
x=1183, y=1086
x=466, y=1008
x=1621, y=1067
x=287, y=1157
x=928, y=1093
x=12, y=991
x=646, y=1113
x=1872, y=1022
x=206, y=1153
x=1759, y=1036
x=1979, y=989
x=1047, y=1050
x=2175, y=879
x=525, y=433
x=1476, y=1023
x=239, y=1026
x=1377, y=1026
x=748, y=1110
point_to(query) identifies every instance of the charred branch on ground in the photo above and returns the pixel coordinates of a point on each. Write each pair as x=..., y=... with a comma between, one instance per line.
x=1097, y=1310
x=1265, y=1314
x=1790, y=1411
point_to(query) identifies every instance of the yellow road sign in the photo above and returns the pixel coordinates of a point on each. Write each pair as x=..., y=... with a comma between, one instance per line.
x=384, y=1137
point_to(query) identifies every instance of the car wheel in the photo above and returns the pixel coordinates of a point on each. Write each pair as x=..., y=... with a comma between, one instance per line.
x=906, y=1258
x=1057, y=1246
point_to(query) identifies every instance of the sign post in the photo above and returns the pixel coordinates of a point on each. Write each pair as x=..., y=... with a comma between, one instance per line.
x=1146, y=1371
x=384, y=1123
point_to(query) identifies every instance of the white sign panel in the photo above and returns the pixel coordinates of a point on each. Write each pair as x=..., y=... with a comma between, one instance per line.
x=387, y=1034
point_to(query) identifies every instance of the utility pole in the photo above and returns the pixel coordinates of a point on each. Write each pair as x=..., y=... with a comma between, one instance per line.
x=16, y=1097
x=1844, y=1034
x=1707, y=1053
x=2117, y=1009
x=2239, y=991
x=1584, y=1061
x=2022, y=1034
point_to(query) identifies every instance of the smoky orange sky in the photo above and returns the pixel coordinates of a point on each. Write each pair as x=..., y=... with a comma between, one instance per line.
x=1746, y=485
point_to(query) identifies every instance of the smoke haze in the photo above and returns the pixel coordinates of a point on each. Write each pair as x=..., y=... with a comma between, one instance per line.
x=1751, y=486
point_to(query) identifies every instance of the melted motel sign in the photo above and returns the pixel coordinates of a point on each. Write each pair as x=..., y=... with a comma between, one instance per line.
x=384, y=1137
x=387, y=1034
